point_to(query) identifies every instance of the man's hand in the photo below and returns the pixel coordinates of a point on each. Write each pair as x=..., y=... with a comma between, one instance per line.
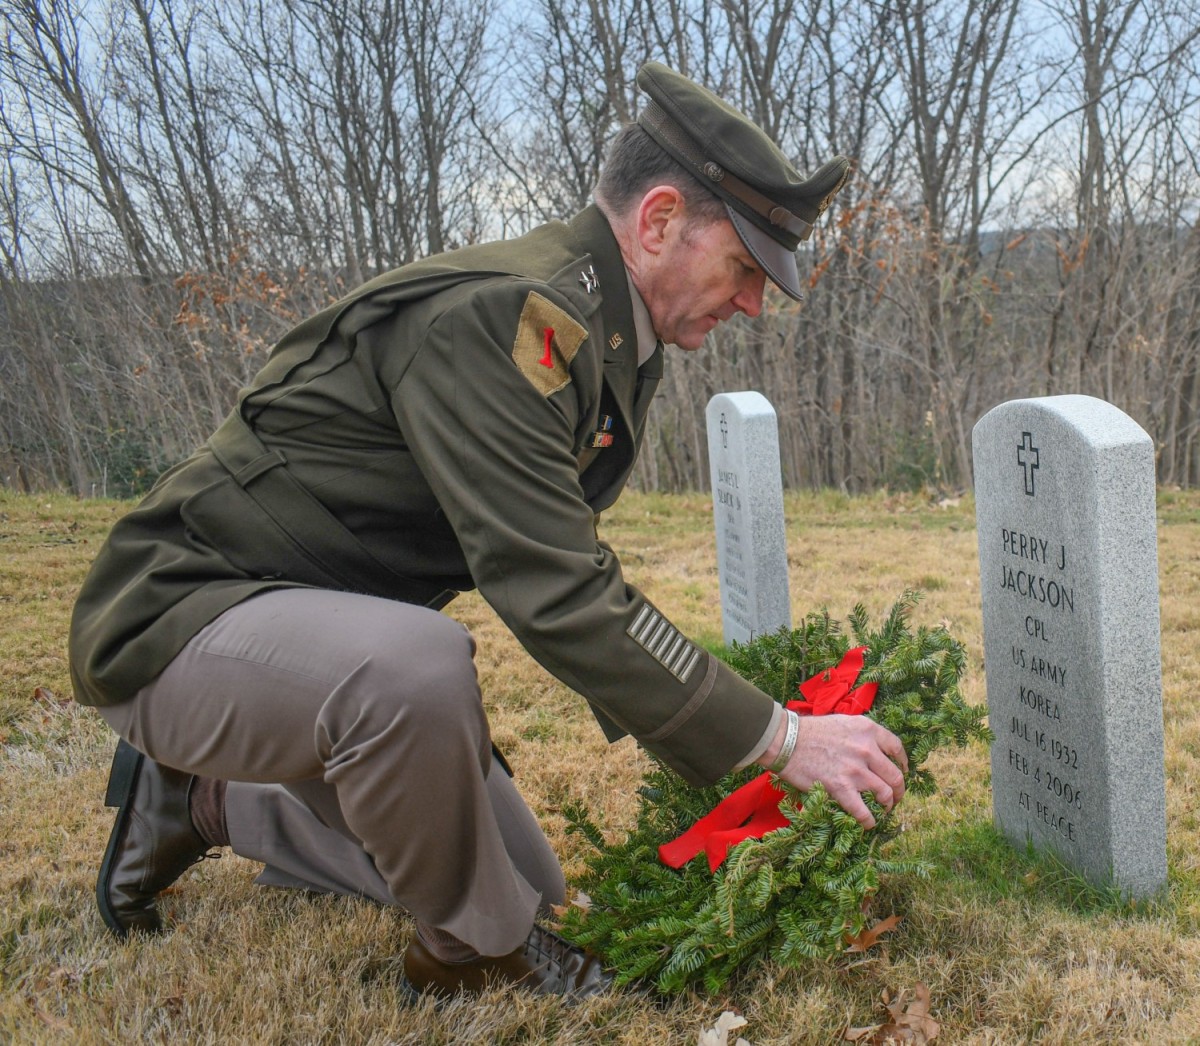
x=848, y=754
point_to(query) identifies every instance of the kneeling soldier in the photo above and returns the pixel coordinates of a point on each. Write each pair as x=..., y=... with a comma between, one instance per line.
x=263, y=631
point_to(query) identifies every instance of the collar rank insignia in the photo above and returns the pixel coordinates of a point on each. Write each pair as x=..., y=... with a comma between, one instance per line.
x=589, y=279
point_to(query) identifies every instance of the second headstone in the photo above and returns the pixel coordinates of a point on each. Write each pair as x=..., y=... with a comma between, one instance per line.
x=747, y=486
x=1064, y=491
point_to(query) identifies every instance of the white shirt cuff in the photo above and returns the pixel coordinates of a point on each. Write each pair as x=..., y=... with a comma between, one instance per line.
x=765, y=740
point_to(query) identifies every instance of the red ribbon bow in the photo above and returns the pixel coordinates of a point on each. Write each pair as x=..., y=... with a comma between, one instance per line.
x=753, y=810
x=834, y=691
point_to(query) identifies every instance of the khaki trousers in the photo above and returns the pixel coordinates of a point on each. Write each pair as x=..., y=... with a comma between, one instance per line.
x=353, y=735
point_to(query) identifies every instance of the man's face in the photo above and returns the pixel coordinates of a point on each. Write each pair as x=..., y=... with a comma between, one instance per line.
x=701, y=276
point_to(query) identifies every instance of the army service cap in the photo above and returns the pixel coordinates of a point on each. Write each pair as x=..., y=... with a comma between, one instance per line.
x=772, y=206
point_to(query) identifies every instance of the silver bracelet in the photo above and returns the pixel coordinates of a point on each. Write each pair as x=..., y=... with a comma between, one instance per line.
x=789, y=743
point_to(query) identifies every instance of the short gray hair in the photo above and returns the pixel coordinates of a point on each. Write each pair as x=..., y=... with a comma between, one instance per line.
x=635, y=163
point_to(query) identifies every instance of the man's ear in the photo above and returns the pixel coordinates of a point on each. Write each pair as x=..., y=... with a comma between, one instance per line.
x=660, y=209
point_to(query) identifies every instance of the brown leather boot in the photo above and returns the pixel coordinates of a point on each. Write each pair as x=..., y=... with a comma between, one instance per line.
x=152, y=842
x=545, y=964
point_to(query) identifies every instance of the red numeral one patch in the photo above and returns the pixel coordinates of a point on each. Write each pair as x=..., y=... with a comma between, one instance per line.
x=546, y=360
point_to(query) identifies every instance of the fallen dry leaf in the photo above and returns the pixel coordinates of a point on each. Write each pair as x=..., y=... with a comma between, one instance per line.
x=718, y=1035
x=581, y=900
x=870, y=936
x=919, y=1005
x=910, y=1021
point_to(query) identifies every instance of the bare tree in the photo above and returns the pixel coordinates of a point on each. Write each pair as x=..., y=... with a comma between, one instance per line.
x=180, y=183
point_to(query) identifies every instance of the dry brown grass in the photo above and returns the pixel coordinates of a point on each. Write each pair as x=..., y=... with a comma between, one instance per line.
x=1012, y=951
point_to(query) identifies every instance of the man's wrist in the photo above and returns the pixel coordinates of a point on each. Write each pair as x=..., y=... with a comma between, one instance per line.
x=784, y=754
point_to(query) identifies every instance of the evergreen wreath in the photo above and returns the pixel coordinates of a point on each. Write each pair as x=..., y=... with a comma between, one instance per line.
x=800, y=892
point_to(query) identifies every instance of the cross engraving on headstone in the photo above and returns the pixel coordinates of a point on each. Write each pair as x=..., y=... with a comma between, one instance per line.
x=724, y=432
x=1027, y=457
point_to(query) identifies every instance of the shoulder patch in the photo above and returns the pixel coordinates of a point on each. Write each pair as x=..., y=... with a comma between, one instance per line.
x=547, y=340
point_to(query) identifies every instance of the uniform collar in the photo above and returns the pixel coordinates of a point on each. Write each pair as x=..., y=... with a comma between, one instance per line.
x=605, y=274
x=643, y=325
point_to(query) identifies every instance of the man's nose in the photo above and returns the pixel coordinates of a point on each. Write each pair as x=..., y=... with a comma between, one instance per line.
x=750, y=297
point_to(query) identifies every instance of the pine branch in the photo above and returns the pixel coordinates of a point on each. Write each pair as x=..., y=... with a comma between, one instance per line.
x=799, y=893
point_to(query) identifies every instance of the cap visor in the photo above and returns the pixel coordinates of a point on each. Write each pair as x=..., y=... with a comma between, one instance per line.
x=776, y=260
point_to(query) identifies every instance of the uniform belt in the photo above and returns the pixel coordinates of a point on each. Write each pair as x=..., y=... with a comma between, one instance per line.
x=263, y=475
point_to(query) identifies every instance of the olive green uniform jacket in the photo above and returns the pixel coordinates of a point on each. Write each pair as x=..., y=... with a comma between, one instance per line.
x=431, y=433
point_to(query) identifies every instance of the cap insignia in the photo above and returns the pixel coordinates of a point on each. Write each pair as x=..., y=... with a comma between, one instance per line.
x=589, y=279
x=714, y=171
x=834, y=191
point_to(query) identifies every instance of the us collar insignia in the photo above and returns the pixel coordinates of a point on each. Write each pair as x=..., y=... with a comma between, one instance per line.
x=615, y=342
x=589, y=279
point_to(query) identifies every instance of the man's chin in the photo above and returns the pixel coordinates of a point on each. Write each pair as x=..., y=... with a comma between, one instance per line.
x=694, y=339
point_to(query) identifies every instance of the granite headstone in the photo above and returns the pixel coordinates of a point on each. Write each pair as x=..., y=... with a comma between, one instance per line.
x=1068, y=557
x=747, y=486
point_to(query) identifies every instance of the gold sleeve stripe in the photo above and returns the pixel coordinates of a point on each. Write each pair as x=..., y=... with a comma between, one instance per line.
x=663, y=642
x=547, y=340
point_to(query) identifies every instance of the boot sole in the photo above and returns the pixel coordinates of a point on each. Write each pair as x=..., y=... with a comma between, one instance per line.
x=410, y=996
x=122, y=780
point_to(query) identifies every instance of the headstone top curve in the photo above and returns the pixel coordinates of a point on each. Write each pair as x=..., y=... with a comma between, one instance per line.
x=748, y=403
x=1097, y=420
